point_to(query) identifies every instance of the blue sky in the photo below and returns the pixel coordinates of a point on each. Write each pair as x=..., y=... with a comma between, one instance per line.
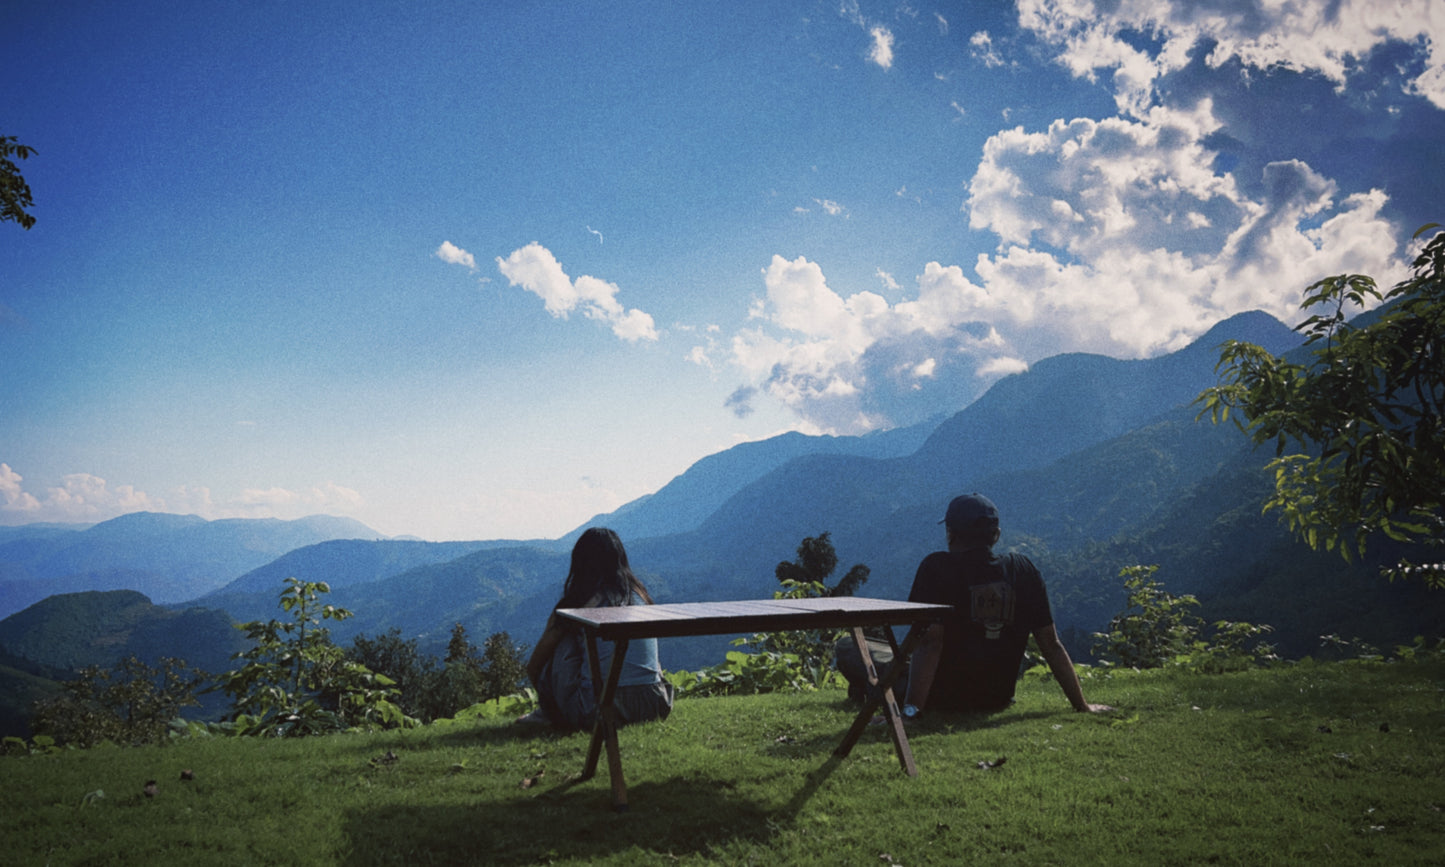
x=484, y=270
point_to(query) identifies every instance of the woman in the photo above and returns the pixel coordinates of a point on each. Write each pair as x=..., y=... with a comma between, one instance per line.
x=599, y=576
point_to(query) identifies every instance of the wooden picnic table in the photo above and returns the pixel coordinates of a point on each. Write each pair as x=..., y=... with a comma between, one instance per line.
x=622, y=624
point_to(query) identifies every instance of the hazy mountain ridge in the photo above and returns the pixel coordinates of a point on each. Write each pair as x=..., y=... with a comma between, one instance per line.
x=169, y=558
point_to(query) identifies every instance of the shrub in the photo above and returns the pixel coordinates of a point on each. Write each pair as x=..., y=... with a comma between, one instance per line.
x=129, y=704
x=1158, y=628
x=296, y=681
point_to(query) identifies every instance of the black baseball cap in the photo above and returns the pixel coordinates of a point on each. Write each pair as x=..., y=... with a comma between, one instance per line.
x=970, y=509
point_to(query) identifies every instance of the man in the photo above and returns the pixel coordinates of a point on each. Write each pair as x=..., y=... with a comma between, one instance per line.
x=970, y=661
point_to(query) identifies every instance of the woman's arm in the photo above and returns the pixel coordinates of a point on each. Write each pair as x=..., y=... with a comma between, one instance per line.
x=552, y=636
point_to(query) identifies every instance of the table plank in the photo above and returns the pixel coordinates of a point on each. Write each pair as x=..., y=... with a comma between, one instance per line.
x=670, y=620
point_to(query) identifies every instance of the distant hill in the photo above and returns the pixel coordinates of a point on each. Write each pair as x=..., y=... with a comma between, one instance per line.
x=72, y=630
x=47, y=643
x=169, y=558
x=341, y=563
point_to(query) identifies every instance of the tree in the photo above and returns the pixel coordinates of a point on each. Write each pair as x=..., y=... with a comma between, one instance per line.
x=296, y=681
x=805, y=578
x=1359, y=441
x=415, y=675
x=129, y=704
x=14, y=192
x=816, y=561
x=460, y=683
x=503, y=669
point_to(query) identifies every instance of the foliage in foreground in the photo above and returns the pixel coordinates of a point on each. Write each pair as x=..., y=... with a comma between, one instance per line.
x=15, y=194
x=1360, y=431
x=1310, y=764
x=296, y=681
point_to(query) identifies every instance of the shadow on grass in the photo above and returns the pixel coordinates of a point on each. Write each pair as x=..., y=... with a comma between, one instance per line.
x=689, y=813
x=678, y=816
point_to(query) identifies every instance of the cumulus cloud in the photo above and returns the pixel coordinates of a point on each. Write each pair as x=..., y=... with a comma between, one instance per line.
x=1116, y=236
x=13, y=497
x=536, y=270
x=454, y=255
x=1147, y=245
x=80, y=497
x=849, y=365
x=329, y=497
x=1326, y=38
x=880, y=38
x=1128, y=235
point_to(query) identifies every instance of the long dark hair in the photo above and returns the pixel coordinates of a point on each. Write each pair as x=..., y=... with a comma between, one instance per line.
x=600, y=569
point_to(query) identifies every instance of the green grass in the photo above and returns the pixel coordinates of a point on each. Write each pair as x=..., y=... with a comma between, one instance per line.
x=1286, y=766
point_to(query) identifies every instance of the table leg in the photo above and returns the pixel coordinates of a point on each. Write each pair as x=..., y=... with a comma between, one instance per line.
x=882, y=695
x=604, y=730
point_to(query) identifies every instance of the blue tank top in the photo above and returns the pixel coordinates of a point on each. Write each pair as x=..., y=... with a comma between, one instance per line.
x=640, y=667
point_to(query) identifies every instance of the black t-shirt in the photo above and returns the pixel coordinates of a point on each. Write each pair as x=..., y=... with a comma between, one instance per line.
x=997, y=603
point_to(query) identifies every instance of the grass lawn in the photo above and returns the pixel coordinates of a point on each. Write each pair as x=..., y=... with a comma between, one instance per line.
x=1305, y=764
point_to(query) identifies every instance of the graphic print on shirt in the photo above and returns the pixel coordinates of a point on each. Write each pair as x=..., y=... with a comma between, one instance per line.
x=992, y=607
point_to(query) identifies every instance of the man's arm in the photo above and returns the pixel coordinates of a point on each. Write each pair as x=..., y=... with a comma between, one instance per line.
x=1062, y=666
x=924, y=665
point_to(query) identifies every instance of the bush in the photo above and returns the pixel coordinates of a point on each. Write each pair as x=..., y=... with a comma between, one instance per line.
x=1158, y=628
x=296, y=681
x=129, y=704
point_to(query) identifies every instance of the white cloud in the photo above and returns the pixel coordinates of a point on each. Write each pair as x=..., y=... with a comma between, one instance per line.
x=835, y=360
x=882, y=51
x=1117, y=236
x=12, y=497
x=454, y=255
x=1327, y=38
x=1002, y=366
x=1148, y=245
x=329, y=497
x=1088, y=185
x=981, y=47
x=87, y=498
x=535, y=269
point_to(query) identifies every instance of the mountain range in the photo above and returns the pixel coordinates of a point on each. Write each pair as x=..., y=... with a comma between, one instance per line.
x=169, y=558
x=1095, y=463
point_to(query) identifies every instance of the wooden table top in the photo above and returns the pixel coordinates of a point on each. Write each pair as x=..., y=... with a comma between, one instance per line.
x=760, y=615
